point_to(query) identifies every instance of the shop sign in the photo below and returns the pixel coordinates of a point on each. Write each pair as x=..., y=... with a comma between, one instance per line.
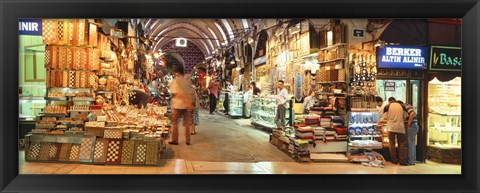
x=389, y=86
x=260, y=60
x=358, y=33
x=445, y=58
x=30, y=27
x=407, y=57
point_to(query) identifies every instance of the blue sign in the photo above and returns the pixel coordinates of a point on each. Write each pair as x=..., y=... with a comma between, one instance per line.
x=30, y=27
x=410, y=57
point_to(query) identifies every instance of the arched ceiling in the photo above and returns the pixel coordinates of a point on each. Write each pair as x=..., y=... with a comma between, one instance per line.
x=207, y=34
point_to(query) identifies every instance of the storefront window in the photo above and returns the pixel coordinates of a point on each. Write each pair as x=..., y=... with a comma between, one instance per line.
x=394, y=88
x=444, y=117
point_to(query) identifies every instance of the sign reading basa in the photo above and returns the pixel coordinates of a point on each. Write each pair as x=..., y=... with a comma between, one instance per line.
x=410, y=57
x=446, y=58
x=30, y=27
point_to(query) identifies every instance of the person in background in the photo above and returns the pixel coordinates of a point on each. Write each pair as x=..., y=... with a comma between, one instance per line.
x=256, y=90
x=394, y=114
x=246, y=101
x=226, y=103
x=308, y=102
x=213, y=95
x=196, y=105
x=139, y=98
x=411, y=130
x=181, y=105
x=282, y=99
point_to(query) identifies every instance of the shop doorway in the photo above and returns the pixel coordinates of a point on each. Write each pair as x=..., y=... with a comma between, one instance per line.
x=408, y=91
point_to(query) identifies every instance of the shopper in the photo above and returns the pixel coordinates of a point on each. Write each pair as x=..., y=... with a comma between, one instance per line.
x=308, y=102
x=196, y=105
x=394, y=114
x=181, y=105
x=411, y=130
x=226, y=103
x=256, y=90
x=282, y=98
x=139, y=98
x=246, y=101
x=213, y=95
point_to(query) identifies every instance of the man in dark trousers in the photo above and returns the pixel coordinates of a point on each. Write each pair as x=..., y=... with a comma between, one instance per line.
x=394, y=114
x=181, y=104
x=213, y=95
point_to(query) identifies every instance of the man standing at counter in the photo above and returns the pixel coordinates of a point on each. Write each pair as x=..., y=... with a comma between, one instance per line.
x=396, y=131
x=282, y=98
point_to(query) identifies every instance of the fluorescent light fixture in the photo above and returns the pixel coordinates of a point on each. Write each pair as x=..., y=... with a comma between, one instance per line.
x=329, y=38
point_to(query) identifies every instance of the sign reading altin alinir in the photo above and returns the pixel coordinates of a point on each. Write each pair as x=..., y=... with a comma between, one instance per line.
x=410, y=57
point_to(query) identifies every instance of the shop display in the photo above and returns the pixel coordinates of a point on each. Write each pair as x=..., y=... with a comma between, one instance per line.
x=264, y=110
x=236, y=104
x=444, y=120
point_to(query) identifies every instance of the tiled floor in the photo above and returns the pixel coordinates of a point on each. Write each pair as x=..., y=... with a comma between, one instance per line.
x=230, y=146
x=178, y=166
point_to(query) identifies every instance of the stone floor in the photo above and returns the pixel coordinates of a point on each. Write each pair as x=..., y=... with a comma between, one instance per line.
x=230, y=146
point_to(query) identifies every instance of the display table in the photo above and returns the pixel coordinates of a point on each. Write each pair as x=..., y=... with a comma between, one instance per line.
x=122, y=135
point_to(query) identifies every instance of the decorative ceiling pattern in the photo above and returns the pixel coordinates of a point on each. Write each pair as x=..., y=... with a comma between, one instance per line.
x=207, y=34
x=191, y=54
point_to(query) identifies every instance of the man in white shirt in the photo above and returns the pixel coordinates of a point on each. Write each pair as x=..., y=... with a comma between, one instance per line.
x=181, y=104
x=282, y=99
x=308, y=102
x=246, y=101
x=394, y=113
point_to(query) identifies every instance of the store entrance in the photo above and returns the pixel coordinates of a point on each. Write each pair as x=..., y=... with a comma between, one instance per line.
x=408, y=91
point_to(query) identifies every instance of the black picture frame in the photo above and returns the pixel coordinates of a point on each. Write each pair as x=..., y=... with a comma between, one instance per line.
x=11, y=11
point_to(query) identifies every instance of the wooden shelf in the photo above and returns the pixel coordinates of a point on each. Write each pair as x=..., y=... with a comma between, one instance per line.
x=331, y=82
x=56, y=98
x=334, y=60
x=333, y=46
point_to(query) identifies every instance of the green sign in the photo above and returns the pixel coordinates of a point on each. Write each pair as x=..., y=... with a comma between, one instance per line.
x=445, y=58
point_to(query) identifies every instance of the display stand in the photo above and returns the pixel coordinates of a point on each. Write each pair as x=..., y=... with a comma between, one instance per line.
x=236, y=105
x=264, y=110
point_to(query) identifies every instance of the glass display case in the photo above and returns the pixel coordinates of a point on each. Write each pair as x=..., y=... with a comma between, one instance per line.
x=362, y=130
x=31, y=101
x=264, y=110
x=236, y=104
x=444, y=113
x=221, y=98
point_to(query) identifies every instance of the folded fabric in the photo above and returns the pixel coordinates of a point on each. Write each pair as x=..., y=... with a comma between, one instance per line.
x=330, y=132
x=305, y=129
x=341, y=130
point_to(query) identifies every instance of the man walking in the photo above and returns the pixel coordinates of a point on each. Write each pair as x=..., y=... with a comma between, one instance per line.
x=282, y=99
x=181, y=104
x=213, y=95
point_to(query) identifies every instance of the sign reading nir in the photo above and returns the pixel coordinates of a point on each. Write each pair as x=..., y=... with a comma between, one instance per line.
x=410, y=57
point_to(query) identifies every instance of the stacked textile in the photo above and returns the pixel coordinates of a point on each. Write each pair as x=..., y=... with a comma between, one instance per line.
x=338, y=121
x=325, y=121
x=312, y=119
x=328, y=111
x=319, y=133
x=305, y=133
x=330, y=135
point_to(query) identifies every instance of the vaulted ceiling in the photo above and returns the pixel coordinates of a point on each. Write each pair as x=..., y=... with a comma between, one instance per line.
x=207, y=34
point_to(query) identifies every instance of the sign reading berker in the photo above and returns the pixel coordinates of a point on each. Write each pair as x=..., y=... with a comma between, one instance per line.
x=445, y=58
x=407, y=57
